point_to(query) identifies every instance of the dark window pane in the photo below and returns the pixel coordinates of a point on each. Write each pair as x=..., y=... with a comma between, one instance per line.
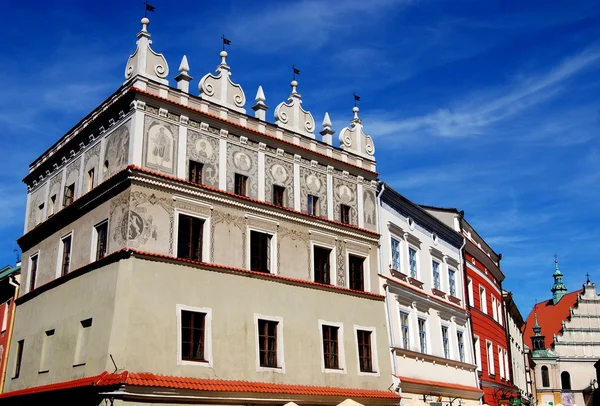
x=330, y=347
x=356, y=272
x=267, y=343
x=260, y=251
x=321, y=265
x=364, y=351
x=192, y=336
x=189, y=237
x=195, y=172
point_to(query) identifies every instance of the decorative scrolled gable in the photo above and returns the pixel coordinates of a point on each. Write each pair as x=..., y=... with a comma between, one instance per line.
x=291, y=116
x=355, y=141
x=221, y=90
x=144, y=61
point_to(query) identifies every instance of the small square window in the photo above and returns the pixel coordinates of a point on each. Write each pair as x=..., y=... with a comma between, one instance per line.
x=313, y=205
x=345, y=214
x=195, y=173
x=278, y=195
x=241, y=182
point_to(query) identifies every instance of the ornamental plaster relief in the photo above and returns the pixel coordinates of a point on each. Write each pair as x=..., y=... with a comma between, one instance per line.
x=281, y=173
x=72, y=175
x=55, y=189
x=117, y=150
x=205, y=150
x=293, y=253
x=340, y=250
x=91, y=159
x=344, y=192
x=231, y=228
x=369, y=208
x=160, y=145
x=37, y=198
x=245, y=162
x=315, y=183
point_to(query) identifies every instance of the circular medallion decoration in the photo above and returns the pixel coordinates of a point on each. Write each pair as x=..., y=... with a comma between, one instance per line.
x=203, y=148
x=313, y=183
x=242, y=161
x=345, y=193
x=279, y=173
x=130, y=230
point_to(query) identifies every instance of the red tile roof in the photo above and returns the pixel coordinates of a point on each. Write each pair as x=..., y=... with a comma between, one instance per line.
x=405, y=379
x=204, y=385
x=550, y=317
x=237, y=125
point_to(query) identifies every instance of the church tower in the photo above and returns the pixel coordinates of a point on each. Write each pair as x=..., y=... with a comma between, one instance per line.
x=538, y=338
x=559, y=289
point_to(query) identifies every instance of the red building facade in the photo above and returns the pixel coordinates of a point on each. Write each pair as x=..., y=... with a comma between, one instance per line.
x=9, y=286
x=484, y=301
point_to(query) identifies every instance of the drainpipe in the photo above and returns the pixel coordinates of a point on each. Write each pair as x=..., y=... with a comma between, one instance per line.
x=386, y=286
x=13, y=282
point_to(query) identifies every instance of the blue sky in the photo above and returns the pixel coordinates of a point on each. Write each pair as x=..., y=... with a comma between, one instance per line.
x=488, y=106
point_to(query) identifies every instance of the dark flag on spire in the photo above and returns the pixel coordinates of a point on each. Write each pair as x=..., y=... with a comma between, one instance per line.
x=225, y=41
x=356, y=98
x=296, y=71
x=149, y=7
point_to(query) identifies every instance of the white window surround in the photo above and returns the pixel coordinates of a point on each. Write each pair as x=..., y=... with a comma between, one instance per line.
x=494, y=308
x=482, y=299
x=440, y=272
x=408, y=311
x=60, y=254
x=501, y=361
x=272, y=247
x=366, y=268
x=38, y=254
x=280, y=352
x=450, y=341
x=499, y=304
x=470, y=291
x=205, y=232
x=207, y=335
x=332, y=261
x=341, y=352
x=506, y=365
x=489, y=347
x=477, y=345
x=94, y=244
x=417, y=260
x=400, y=245
x=424, y=317
x=374, y=356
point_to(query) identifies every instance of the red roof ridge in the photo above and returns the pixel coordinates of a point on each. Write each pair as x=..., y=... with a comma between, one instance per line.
x=147, y=379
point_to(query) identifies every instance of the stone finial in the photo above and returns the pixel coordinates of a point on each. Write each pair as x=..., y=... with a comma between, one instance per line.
x=355, y=141
x=291, y=116
x=327, y=132
x=183, y=79
x=144, y=61
x=221, y=90
x=260, y=108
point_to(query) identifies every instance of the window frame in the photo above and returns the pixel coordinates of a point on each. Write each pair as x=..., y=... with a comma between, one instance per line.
x=205, y=231
x=393, y=238
x=332, y=265
x=18, y=362
x=94, y=245
x=272, y=248
x=452, y=289
x=312, y=205
x=501, y=362
x=280, y=349
x=489, y=350
x=243, y=186
x=434, y=262
x=365, y=269
x=405, y=341
x=545, y=372
x=494, y=308
x=446, y=344
x=423, y=342
x=194, y=164
x=276, y=189
x=470, y=293
x=460, y=339
x=60, y=258
x=374, y=355
x=417, y=275
x=345, y=217
x=341, y=351
x=31, y=283
x=91, y=179
x=71, y=198
x=52, y=205
x=477, y=350
x=483, y=299
x=208, y=353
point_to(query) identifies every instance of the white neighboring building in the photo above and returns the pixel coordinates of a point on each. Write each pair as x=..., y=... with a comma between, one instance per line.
x=423, y=279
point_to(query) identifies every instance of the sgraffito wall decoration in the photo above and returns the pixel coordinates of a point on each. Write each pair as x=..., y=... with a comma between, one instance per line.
x=37, y=198
x=344, y=192
x=293, y=253
x=91, y=160
x=205, y=150
x=340, y=249
x=117, y=150
x=370, y=209
x=160, y=145
x=243, y=161
x=313, y=182
x=281, y=173
x=72, y=175
x=229, y=228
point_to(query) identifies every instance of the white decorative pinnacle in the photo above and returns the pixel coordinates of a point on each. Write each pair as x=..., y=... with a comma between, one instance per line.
x=221, y=90
x=355, y=141
x=144, y=61
x=291, y=116
x=183, y=79
x=327, y=132
x=260, y=108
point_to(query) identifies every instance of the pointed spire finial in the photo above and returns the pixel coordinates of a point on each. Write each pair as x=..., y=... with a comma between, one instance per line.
x=260, y=107
x=260, y=95
x=184, y=66
x=183, y=79
x=327, y=132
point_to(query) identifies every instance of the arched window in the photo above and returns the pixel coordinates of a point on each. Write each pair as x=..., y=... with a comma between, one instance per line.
x=565, y=380
x=545, y=377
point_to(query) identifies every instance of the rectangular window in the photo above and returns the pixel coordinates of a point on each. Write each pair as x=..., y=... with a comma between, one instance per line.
x=461, y=345
x=101, y=240
x=490, y=358
x=46, y=350
x=412, y=259
x=241, y=182
x=452, y=282
x=477, y=347
x=482, y=299
x=404, y=330
x=356, y=272
x=344, y=214
x=267, y=343
x=313, y=205
x=5, y=318
x=192, y=336
x=66, y=256
x=470, y=291
x=321, y=264
x=195, y=172
x=278, y=195
x=40, y=213
x=51, y=206
x=436, y=274
x=331, y=347
x=82, y=342
x=260, y=251
x=501, y=362
x=189, y=237
x=423, y=335
x=33, y=265
x=69, y=195
x=364, y=351
x=506, y=365
x=445, y=342
x=91, y=179
x=395, y=254
x=499, y=305
x=17, y=370
x=494, y=308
